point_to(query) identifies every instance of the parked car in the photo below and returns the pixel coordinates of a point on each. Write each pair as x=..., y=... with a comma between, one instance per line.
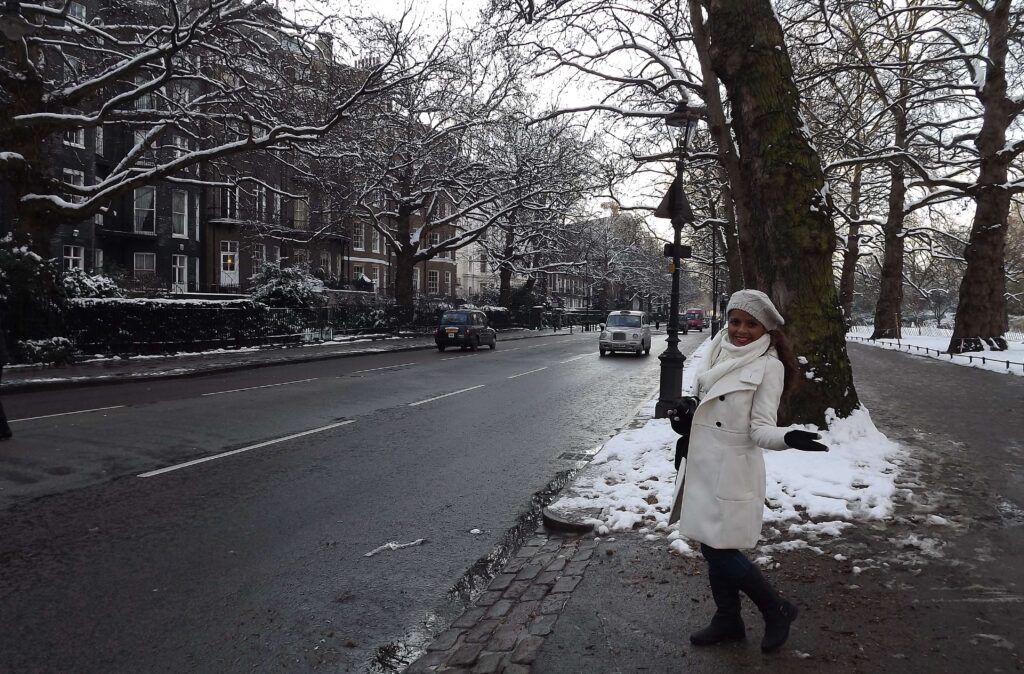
x=695, y=319
x=465, y=328
x=626, y=331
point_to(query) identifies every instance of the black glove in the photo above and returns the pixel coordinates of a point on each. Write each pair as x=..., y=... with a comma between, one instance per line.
x=804, y=441
x=682, y=449
x=682, y=416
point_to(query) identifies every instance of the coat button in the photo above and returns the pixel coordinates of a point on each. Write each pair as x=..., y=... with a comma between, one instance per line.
x=718, y=423
x=721, y=397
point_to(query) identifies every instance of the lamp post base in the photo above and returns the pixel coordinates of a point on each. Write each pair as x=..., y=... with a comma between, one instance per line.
x=671, y=382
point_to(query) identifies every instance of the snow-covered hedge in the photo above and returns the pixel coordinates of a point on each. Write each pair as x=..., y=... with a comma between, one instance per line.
x=52, y=351
x=290, y=287
x=143, y=326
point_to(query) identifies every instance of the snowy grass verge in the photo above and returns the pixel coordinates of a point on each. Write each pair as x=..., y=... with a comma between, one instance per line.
x=1010, y=361
x=811, y=496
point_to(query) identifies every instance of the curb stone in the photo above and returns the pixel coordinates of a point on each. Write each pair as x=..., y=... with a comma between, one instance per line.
x=175, y=371
x=487, y=639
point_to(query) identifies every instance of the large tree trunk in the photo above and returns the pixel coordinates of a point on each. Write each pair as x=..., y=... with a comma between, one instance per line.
x=981, y=314
x=735, y=204
x=794, y=238
x=889, y=308
x=505, y=273
x=848, y=276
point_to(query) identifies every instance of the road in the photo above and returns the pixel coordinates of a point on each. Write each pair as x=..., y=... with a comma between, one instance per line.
x=223, y=523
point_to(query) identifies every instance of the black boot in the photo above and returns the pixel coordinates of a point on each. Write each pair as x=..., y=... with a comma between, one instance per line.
x=726, y=625
x=778, y=613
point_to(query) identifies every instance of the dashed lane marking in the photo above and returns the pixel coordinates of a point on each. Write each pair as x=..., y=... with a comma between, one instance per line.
x=64, y=414
x=179, y=466
x=375, y=369
x=527, y=372
x=252, y=388
x=446, y=395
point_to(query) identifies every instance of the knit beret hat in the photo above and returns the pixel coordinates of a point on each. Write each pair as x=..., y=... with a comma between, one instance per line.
x=758, y=305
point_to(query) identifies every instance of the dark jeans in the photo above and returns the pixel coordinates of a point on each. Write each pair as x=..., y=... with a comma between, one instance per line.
x=731, y=564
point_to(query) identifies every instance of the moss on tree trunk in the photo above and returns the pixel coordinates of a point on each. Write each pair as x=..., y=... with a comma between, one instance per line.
x=794, y=238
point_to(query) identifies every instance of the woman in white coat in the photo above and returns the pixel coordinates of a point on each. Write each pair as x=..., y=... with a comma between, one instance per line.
x=720, y=493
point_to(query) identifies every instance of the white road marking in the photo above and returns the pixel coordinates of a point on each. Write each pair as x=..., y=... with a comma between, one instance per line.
x=528, y=372
x=576, y=358
x=445, y=395
x=374, y=369
x=328, y=427
x=64, y=414
x=250, y=388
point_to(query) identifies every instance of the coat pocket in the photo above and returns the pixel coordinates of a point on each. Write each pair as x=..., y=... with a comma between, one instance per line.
x=735, y=479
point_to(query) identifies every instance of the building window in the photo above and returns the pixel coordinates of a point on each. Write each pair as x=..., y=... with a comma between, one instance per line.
x=301, y=214
x=374, y=240
x=145, y=263
x=145, y=154
x=99, y=140
x=180, y=146
x=260, y=195
x=76, y=10
x=276, y=250
x=146, y=101
x=448, y=290
x=375, y=277
x=415, y=280
x=357, y=238
x=259, y=256
x=432, y=277
x=77, y=179
x=357, y=272
x=145, y=210
x=483, y=266
x=97, y=260
x=325, y=261
x=75, y=137
x=179, y=213
x=74, y=257
x=275, y=214
x=179, y=273
x=302, y=258
x=229, y=202
x=229, y=256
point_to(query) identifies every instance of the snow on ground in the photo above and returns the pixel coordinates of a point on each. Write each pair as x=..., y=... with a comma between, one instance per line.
x=934, y=346
x=810, y=495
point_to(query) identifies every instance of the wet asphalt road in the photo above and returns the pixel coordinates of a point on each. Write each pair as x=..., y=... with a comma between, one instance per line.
x=257, y=560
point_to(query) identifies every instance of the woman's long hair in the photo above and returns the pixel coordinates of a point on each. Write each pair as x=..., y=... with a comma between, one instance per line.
x=785, y=351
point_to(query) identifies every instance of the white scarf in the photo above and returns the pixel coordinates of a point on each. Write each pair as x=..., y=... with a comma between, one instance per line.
x=724, y=357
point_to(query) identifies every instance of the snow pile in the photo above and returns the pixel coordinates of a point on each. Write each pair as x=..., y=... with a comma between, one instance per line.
x=810, y=495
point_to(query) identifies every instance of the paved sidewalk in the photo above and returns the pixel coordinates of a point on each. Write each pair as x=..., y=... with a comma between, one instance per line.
x=905, y=595
x=113, y=370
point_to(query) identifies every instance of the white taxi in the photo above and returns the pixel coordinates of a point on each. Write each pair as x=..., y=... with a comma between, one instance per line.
x=626, y=331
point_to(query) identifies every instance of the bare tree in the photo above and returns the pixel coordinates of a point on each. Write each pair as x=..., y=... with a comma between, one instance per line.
x=191, y=82
x=981, y=314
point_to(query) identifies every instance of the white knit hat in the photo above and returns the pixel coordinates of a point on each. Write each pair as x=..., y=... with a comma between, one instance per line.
x=758, y=305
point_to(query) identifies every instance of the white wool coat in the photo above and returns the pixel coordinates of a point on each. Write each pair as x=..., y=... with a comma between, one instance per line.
x=720, y=491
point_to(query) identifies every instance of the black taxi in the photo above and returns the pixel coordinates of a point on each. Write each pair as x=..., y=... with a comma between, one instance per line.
x=465, y=328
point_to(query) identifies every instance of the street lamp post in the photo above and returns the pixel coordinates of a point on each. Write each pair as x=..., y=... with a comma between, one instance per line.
x=675, y=206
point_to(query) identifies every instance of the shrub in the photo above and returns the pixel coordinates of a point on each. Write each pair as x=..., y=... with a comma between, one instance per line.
x=291, y=287
x=77, y=283
x=52, y=351
x=32, y=298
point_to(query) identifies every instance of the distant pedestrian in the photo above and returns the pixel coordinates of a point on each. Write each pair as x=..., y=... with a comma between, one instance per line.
x=5, y=429
x=720, y=493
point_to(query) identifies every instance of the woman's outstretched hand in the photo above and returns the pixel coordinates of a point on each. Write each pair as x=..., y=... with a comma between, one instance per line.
x=682, y=416
x=805, y=441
